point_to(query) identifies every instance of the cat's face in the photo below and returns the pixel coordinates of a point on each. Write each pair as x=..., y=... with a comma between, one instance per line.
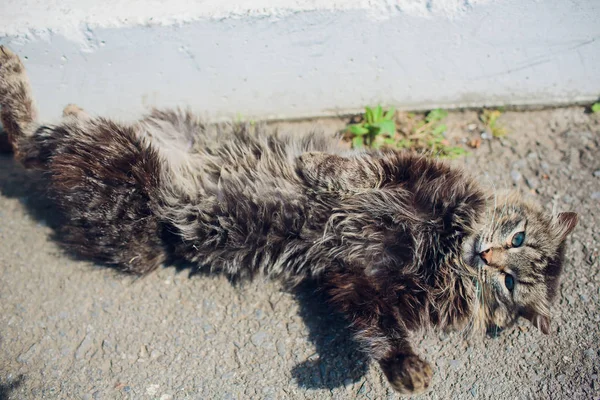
x=518, y=257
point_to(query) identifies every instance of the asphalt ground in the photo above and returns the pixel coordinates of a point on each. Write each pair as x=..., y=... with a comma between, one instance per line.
x=71, y=329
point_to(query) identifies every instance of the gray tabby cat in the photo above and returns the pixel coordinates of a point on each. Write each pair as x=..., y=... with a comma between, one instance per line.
x=397, y=241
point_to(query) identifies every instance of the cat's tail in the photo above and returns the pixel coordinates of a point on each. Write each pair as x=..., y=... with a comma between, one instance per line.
x=18, y=112
x=105, y=177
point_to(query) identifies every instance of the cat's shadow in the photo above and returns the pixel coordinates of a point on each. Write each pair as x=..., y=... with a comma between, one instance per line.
x=30, y=189
x=337, y=360
x=10, y=385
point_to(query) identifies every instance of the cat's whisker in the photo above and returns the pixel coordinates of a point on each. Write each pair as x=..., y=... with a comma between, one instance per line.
x=491, y=229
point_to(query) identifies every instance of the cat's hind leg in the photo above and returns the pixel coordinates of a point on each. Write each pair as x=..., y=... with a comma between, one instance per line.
x=18, y=112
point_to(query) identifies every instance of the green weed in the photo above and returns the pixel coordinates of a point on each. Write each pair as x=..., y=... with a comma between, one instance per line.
x=428, y=135
x=377, y=129
x=490, y=120
x=241, y=119
x=423, y=133
x=596, y=108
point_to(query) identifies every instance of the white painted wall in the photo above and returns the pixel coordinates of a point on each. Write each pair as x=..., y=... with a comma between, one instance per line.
x=292, y=58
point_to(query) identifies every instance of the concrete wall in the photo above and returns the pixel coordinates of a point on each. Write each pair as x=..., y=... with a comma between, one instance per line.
x=293, y=58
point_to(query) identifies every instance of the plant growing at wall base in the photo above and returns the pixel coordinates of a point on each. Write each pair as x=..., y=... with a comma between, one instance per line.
x=423, y=133
x=427, y=134
x=490, y=120
x=377, y=129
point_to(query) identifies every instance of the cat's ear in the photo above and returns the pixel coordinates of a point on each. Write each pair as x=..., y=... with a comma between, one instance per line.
x=565, y=223
x=542, y=323
x=334, y=172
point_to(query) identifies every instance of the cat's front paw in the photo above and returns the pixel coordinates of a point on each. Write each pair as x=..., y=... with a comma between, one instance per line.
x=407, y=374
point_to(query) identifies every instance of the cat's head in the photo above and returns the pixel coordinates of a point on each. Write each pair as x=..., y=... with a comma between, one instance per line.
x=518, y=256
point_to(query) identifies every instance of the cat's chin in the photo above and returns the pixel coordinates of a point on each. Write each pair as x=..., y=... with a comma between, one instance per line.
x=470, y=252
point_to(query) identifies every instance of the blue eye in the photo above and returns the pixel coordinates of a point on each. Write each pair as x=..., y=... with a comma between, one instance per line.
x=518, y=239
x=509, y=282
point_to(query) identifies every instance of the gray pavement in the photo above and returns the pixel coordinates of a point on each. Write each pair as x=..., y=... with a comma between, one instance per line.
x=70, y=329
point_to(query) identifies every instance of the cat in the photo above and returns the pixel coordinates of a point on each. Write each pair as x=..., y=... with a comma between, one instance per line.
x=398, y=241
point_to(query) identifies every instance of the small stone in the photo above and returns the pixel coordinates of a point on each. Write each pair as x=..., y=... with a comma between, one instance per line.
x=485, y=135
x=519, y=164
x=475, y=143
x=574, y=159
x=154, y=354
x=281, y=348
x=472, y=127
x=561, y=378
x=259, y=338
x=228, y=375
x=84, y=347
x=533, y=183
x=584, y=298
x=597, y=173
x=590, y=353
x=454, y=363
x=568, y=199
x=362, y=389
x=474, y=390
x=532, y=155
x=143, y=353
x=516, y=176
x=595, y=196
x=25, y=357
x=544, y=165
x=152, y=389
x=107, y=346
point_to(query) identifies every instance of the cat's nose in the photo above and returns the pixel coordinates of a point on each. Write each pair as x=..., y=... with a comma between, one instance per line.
x=486, y=256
